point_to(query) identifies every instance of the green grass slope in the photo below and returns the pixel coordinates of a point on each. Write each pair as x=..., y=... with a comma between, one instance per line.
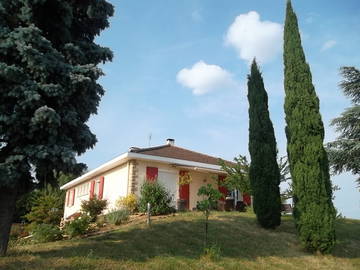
x=176, y=242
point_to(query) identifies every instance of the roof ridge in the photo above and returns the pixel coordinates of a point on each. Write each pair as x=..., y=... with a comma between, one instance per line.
x=195, y=152
x=150, y=151
x=149, y=148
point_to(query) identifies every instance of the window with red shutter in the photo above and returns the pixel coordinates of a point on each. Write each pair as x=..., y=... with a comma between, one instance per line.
x=92, y=188
x=73, y=197
x=151, y=173
x=222, y=189
x=67, y=197
x=101, y=187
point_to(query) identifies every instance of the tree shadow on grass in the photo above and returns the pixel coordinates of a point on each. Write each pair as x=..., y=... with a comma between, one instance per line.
x=348, y=239
x=238, y=237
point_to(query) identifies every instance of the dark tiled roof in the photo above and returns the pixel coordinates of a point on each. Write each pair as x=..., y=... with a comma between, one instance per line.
x=171, y=151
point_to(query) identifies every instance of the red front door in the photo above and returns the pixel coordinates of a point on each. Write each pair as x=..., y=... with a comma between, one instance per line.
x=184, y=191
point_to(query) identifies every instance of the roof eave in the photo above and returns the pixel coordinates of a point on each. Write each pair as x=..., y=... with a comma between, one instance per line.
x=103, y=168
x=131, y=155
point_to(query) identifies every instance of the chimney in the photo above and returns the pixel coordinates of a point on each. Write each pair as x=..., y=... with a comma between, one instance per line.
x=133, y=149
x=170, y=142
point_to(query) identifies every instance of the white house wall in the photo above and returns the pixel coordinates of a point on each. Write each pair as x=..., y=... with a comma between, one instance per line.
x=199, y=179
x=115, y=186
x=117, y=183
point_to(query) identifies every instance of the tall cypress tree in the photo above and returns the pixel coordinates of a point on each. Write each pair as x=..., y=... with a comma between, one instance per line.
x=48, y=90
x=264, y=171
x=314, y=212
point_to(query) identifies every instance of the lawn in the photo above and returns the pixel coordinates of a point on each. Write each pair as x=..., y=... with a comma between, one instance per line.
x=176, y=242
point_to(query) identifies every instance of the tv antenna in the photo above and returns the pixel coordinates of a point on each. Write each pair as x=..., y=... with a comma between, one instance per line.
x=149, y=138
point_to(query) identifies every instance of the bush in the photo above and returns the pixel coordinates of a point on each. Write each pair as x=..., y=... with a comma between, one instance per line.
x=46, y=233
x=77, y=226
x=47, y=208
x=93, y=207
x=158, y=197
x=117, y=217
x=128, y=202
x=24, y=204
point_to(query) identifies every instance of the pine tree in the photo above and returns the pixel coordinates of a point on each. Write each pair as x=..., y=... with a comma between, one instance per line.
x=48, y=90
x=314, y=212
x=344, y=152
x=264, y=171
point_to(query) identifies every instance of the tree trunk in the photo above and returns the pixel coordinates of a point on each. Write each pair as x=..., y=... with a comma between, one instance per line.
x=206, y=229
x=7, y=207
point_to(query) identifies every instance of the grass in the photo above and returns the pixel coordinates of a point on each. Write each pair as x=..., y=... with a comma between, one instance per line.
x=176, y=242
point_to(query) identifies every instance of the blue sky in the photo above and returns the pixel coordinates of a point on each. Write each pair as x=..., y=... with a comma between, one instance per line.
x=180, y=70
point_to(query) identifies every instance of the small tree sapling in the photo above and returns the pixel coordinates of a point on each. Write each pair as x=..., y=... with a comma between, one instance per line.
x=210, y=197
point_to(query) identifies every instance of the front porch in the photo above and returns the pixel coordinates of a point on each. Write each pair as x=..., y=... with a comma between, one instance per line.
x=187, y=194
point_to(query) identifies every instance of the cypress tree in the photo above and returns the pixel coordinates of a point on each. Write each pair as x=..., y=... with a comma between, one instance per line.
x=264, y=171
x=48, y=90
x=314, y=212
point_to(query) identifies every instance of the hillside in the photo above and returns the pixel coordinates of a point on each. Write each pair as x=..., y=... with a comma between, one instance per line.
x=175, y=242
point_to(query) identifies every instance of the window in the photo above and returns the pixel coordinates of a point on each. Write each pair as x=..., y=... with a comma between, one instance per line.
x=151, y=173
x=70, y=199
x=97, y=188
x=83, y=190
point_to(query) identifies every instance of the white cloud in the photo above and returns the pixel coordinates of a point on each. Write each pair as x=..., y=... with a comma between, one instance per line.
x=252, y=37
x=203, y=78
x=328, y=45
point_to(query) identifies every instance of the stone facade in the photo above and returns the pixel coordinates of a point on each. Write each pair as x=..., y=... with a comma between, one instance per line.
x=133, y=177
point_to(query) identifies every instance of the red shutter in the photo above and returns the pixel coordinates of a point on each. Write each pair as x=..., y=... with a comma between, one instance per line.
x=67, y=197
x=222, y=189
x=247, y=199
x=151, y=173
x=73, y=197
x=101, y=187
x=92, y=187
x=184, y=191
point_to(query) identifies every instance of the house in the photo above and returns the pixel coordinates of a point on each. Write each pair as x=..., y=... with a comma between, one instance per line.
x=126, y=173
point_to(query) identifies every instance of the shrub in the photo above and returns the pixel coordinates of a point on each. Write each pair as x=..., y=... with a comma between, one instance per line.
x=24, y=205
x=93, y=207
x=158, y=197
x=117, y=217
x=128, y=202
x=46, y=233
x=78, y=226
x=47, y=208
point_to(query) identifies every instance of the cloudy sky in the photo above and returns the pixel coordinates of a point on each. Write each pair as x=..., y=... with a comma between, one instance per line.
x=180, y=71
